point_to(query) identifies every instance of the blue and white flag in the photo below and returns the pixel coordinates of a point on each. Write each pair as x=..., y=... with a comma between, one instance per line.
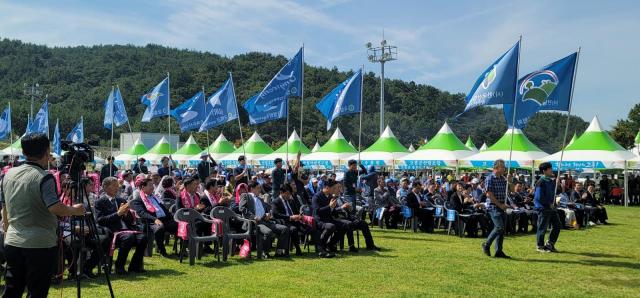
x=497, y=83
x=114, y=111
x=343, y=99
x=190, y=114
x=40, y=124
x=271, y=103
x=157, y=101
x=5, y=123
x=57, y=144
x=546, y=89
x=76, y=134
x=222, y=106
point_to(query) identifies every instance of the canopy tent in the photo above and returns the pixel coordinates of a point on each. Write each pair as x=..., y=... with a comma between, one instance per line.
x=218, y=149
x=254, y=149
x=187, y=151
x=594, y=149
x=384, y=152
x=444, y=149
x=335, y=152
x=295, y=145
x=573, y=139
x=471, y=145
x=13, y=149
x=636, y=151
x=315, y=148
x=411, y=149
x=483, y=147
x=158, y=151
x=523, y=156
x=133, y=153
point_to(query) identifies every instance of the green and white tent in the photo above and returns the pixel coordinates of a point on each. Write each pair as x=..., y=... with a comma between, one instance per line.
x=444, y=150
x=187, y=151
x=161, y=149
x=13, y=149
x=471, y=145
x=133, y=153
x=335, y=152
x=315, y=148
x=384, y=152
x=411, y=148
x=295, y=145
x=573, y=139
x=523, y=156
x=483, y=147
x=594, y=149
x=254, y=149
x=218, y=149
x=636, y=151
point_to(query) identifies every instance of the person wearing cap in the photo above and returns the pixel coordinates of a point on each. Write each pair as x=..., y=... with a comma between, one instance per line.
x=278, y=178
x=385, y=196
x=205, y=165
x=108, y=170
x=140, y=167
x=241, y=173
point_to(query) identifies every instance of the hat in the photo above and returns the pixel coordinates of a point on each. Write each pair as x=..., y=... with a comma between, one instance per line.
x=314, y=179
x=388, y=180
x=404, y=179
x=475, y=181
x=204, y=154
x=142, y=159
x=241, y=157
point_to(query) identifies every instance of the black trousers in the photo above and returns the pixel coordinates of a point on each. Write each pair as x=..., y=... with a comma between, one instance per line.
x=71, y=255
x=32, y=268
x=332, y=231
x=357, y=224
x=270, y=230
x=168, y=225
x=126, y=242
x=426, y=219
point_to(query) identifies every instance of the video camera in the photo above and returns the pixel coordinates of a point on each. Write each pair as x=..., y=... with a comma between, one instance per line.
x=77, y=154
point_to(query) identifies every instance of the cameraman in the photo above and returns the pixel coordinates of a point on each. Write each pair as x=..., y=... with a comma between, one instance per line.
x=29, y=220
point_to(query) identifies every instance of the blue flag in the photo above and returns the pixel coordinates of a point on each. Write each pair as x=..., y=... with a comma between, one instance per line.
x=497, y=83
x=271, y=102
x=114, y=111
x=28, y=129
x=222, y=106
x=190, y=114
x=40, y=124
x=76, y=134
x=343, y=99
x=5, y=123
x=546, y=89
x=157, y=101
x=57, y=144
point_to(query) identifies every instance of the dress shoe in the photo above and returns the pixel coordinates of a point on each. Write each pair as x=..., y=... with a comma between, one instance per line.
x=486, y=249
x=501, y=255
x=374, y=248
x=121, y=271
x=353, y=249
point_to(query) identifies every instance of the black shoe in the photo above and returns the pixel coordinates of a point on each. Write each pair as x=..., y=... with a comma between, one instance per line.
x=501, y=255
x=333, y=249
x=208, y=250
x=486, y=249
x=90, y=274
x=550, y=247
x=298, y=251
x=121, y=271
x=326, y=255
x=374, y=248
x=353, y=249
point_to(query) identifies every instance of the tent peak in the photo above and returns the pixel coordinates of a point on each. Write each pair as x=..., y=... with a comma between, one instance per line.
x=337, y=135
x=594, y=125
x=444, y=129
x=387, y=133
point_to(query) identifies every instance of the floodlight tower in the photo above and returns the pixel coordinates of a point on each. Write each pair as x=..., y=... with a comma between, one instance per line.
x=384, y=53
x=32, y=91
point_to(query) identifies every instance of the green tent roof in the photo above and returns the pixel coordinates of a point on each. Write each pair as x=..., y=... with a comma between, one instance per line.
x=470, y=144
x=190, y=147
x=254, y=145
x=337, y=144
x=638, y=138
x=594, y=138
x=520, y=142
x=483, y=147
x=445, y=139
x=316, y=147
x=295, y=145
x=138, y=148
x=162, y=147
x=573, y=139
x=387, y=143
x=220, y=146
x=16, y=145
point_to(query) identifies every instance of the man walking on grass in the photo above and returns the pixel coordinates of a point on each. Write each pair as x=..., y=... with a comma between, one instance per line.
x=496, y=192
x=544, y=204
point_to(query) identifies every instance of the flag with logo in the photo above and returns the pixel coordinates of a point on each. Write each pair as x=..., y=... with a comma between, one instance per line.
x=221, y=106
x=76, y=134
x=271, y=103
x=190, y=114
x=546, y=89
x=40, y=123
x=114, y=111
x=157, y=101
x=343, y=99
x=5, y=123
x=497, y=83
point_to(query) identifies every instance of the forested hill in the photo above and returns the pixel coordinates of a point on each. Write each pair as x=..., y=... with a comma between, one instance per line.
x=78, y=81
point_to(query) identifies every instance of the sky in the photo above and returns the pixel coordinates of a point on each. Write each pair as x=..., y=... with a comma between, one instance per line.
x=446, y=44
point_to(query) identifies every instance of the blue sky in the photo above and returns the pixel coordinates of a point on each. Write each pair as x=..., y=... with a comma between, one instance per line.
x=446, y=44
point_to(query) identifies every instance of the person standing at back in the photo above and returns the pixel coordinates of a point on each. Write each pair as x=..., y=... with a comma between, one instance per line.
x=496, y=184
x=30, y=206
x=543, y=200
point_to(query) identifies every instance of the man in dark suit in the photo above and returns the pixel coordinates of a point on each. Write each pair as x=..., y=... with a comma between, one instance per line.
x=205, y=165
x=418, y=206
x=140, y=168
x=252, y=207
x=284, y=212
x=323, y=205
x=154, y=212
x=113, y=214
x=108, y=170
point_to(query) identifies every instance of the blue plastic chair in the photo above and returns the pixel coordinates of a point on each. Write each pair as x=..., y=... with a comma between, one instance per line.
x=407, y=214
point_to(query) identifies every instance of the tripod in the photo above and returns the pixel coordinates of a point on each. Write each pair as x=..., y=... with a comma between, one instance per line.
x=79, y=223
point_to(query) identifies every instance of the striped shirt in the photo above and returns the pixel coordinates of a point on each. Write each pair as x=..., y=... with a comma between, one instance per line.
x=498, y=186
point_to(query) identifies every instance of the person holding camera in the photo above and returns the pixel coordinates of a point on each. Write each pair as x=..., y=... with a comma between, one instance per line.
x=29, y=216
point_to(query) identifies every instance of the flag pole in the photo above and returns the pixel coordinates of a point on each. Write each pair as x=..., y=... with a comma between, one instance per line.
x=360, y=125
x=204, y=97
x=244, y=153
x=169, y=120
x=566, y=125
x=301, y=96
x=112, y=118
x=513, y=118
x=10, y=132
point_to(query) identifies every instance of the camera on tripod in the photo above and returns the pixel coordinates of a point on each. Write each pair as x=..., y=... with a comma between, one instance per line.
x=77, y=154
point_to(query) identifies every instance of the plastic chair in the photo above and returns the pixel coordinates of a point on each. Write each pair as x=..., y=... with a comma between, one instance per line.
x=407, y=215
x=226, y=215
x=438, y=214
x=191, y=216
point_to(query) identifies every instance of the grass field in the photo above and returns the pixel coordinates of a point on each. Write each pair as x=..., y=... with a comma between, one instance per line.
x=603, y=261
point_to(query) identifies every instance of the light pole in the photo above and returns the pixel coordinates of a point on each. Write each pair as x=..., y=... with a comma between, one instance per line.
x=32, y=91
x=382, y=54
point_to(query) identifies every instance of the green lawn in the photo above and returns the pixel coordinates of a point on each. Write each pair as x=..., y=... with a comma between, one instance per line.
x=602, y=261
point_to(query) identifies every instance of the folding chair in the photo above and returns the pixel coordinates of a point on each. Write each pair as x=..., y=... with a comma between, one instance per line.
x=191, y=216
